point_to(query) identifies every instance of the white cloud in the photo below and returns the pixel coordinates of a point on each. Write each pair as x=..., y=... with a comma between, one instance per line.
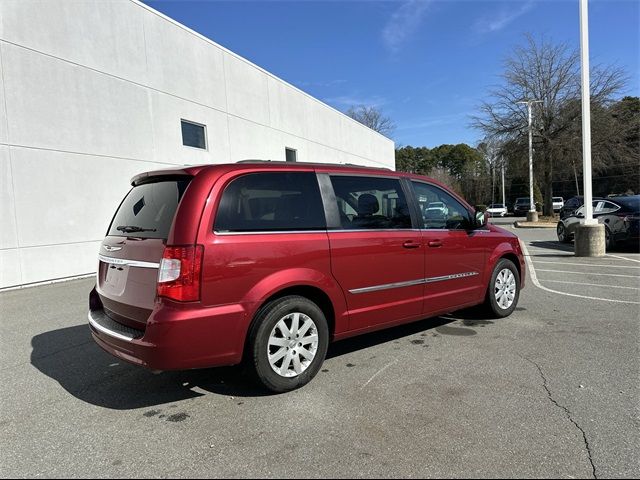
x=497, y=21
x=403, y=23
x=354, y=101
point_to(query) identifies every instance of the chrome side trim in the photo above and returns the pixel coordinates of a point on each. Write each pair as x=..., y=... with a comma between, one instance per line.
x=412, y=283
x=283, y=232
x=269, y=232
x=450, y=277
x=129, y=263
x=387, y=286
x=121, y=335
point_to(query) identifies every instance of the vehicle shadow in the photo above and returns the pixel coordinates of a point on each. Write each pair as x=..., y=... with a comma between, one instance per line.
x=71, y=357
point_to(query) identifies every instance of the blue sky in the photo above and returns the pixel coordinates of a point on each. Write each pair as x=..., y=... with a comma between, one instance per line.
x=426, y=64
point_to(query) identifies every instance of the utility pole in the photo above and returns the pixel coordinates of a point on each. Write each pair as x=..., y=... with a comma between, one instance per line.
x=590, y=240
x=532, y=215
x=502, y=165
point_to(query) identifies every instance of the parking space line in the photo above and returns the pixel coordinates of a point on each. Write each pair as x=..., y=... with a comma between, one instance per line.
x=591, y=284
x=623, y=258
x=589, y=264
x=378, y=373
x=534, y=279
x=591, y=273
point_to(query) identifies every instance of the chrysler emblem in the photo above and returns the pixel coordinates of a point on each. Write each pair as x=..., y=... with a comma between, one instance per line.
x=109, y=248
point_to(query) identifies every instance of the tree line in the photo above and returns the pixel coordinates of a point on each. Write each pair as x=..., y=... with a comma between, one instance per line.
x=549, y=73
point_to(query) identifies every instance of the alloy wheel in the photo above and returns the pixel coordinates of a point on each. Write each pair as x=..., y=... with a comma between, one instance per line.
x=505, y=288
x=293, y=344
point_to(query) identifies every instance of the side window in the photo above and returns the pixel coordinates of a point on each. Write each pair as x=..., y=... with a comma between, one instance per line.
x=371, y=203
x=607, y=207
x=439, y=209
x=271, y=201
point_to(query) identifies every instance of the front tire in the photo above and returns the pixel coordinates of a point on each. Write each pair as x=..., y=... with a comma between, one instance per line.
x=561, y=231
x=503, y=291
x=288, y=343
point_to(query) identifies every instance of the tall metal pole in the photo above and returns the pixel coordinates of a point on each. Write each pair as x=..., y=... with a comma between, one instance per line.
x=503, y=199
x=586, y=114
x=532, y=206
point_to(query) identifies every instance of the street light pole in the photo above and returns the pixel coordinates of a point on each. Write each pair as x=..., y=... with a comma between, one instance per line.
x=503, y=199
x=532, y=216
x=590, y=236
x=586, y=114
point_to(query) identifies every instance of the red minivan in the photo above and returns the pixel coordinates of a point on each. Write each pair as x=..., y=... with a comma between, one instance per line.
x=267, y=262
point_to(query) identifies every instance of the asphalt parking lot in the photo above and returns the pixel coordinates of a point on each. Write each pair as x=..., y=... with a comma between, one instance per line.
x=551, y=391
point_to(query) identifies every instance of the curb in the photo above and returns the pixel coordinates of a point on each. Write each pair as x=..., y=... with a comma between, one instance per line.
x=534, y=225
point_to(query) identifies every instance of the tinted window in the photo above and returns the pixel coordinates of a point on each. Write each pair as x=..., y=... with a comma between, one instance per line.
x=272, y=201
x=454, y=215
x=151, y=207
x=193, y=135
x=606, y=207
x=371, y=203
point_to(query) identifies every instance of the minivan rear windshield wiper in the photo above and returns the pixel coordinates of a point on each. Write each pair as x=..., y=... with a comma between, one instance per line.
x=134, y=228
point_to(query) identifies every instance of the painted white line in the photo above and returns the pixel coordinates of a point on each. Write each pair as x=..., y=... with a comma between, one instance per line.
x=378, y=373
x=591, y=273
x=591, y=284
x=588, y=264
x=534, y=279
x=623, y=258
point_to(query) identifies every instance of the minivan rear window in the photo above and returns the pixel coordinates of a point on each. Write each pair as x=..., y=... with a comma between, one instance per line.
x=148, y=209
x=271, y=201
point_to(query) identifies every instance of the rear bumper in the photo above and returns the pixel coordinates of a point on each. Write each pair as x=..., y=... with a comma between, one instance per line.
x=176, y=338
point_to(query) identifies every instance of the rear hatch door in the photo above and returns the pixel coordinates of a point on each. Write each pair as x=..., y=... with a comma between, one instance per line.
x=130, y=254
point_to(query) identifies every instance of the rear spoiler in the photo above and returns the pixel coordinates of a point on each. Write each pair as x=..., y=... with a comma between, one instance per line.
x=163, y=175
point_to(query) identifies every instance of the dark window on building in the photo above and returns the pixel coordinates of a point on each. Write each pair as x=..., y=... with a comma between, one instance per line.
x=291, y=155
x=371, y=203
x=150, y=207
x=271, y=201
x=193, y=135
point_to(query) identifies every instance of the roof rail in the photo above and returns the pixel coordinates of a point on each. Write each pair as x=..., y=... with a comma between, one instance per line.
x=316, y=163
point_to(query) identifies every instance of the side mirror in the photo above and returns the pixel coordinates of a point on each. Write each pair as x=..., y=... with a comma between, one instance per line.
x=481, y=219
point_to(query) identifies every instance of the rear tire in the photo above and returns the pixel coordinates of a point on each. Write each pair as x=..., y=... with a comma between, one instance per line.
x=609, y=241
x=503, y=291
x=287, y=343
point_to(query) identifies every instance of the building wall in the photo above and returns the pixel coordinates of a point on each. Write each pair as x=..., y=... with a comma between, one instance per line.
x=92, y=92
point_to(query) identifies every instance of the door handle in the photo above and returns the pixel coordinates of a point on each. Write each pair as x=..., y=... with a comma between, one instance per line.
x=410, y=244
x=435, y=243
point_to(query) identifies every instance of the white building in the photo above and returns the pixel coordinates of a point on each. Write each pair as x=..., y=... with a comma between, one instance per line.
x=92, y=92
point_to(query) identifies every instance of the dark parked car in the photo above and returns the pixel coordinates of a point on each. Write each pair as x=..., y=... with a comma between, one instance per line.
x=521, y=206
x=619, y=215
x=571, y=205
x=267, y=262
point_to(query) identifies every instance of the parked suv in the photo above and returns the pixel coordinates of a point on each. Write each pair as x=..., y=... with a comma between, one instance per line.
x=558, y=203
x=521, y=206
x=267, y=262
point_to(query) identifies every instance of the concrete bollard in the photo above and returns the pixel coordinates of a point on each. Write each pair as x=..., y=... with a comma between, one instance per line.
x=590, y=241
x=532, y=216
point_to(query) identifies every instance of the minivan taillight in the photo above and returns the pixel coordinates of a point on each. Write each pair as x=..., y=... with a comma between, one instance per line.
x=179, y=274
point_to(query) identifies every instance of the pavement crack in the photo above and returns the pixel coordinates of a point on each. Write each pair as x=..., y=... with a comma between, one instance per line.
x=567, y=413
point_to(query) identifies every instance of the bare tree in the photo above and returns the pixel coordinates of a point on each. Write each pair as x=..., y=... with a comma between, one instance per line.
x=551, y=73
x=373, y=118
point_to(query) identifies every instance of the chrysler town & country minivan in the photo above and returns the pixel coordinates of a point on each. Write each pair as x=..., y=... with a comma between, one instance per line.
x=267, y=262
